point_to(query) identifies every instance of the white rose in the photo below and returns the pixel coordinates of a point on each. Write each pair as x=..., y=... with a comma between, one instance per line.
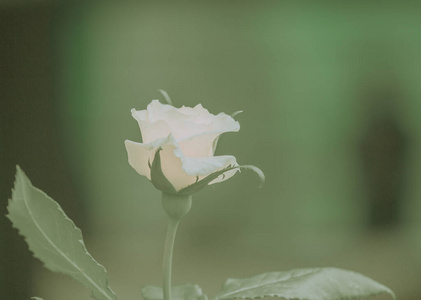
x=177, y=153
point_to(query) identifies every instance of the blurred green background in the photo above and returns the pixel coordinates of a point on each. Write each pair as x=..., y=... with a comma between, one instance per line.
x=331, y=98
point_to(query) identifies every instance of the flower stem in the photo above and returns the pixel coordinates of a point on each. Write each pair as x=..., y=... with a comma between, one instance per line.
x=169, y=245
x=175, y=207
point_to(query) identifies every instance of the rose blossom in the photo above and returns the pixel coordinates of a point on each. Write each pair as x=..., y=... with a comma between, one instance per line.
x=184, y=139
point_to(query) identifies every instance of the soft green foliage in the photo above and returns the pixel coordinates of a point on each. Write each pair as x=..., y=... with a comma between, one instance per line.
x=54, y=238
x=305, y=284
x=179, y=292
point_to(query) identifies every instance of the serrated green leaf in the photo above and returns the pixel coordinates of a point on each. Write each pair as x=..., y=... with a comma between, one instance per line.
x=53, y=237
x=179, y=292
x=304, y=284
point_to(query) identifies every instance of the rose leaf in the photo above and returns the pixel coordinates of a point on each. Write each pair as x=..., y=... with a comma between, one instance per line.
x=304, y=284
x=53, y=237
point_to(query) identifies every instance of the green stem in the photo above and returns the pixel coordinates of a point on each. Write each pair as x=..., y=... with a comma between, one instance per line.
x=169, y=246
x=175, y=207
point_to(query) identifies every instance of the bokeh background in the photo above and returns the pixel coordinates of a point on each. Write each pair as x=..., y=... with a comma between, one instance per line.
x=331, y=96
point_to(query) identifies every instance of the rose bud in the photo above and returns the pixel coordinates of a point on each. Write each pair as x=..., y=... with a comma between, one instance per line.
x=177, y=153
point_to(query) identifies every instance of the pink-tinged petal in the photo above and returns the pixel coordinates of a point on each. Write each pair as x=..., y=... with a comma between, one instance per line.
x=200, y=145
x=172, y=167
x=204, y=143
x=139, y=155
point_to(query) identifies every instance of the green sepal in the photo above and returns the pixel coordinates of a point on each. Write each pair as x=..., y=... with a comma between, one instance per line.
x=166, y=96
x=158, y=178
x=255, y=170
x=176, y=206
x=200, y=184
x=179, y=292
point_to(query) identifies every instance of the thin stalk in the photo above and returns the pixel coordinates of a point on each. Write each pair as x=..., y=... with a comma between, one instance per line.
x=168, y=251
x=175, y=207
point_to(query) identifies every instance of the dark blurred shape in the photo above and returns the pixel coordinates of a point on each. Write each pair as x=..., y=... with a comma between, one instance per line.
x=28, y=134
x=384, y=148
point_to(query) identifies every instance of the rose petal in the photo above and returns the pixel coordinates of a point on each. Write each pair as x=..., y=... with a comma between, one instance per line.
x=172, y=167
x=203, y=144
x=158, y=120
x=198, y=112
x=203, y=166
x=200, y=145
x=150, y=130
x=139, y=155
x=158, y=111
x=187, y=138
